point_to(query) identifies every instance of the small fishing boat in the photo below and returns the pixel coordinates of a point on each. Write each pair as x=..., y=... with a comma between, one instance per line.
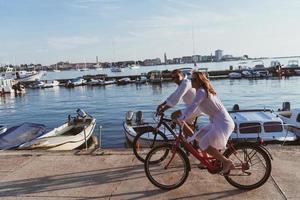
x=68, y=136
x=50, y=84
x=18, y=135
x=36, y=84
x=142, y=79
x=234, y=75
x=291, y=117
x=132, y=127
x=75, y=82
x=259, y=123
x=124, y=81
x=99, y=82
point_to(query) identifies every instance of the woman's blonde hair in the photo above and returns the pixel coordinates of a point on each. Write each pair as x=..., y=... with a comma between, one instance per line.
x=204, y=82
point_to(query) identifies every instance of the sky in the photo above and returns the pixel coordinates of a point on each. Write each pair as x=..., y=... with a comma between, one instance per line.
x=49, y=31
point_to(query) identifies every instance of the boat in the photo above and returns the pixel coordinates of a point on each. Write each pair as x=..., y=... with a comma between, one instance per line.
x=99, y=82
x=124, y=81
x=293, y=64
x=6, y=85
x=250, y=74
x=291, y=117
x=234, y=75
x=155, y=77
x=50, y=84
x=115, y=69
x=70, y=135
x=132, y=127
x=18, y=135
x=134, y=66
x=259, y=124
x=36, y=84
x=187, y=72
x=22, y=76
x=75, y=82
x=142, y=79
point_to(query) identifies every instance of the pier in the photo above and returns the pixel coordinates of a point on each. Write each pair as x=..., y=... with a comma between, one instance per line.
x=117, y=174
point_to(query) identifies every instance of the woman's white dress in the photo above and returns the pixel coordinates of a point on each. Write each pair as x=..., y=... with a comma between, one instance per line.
x=217, y=132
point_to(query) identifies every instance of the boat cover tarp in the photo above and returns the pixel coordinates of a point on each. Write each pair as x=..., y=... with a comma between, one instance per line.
x=17, y=135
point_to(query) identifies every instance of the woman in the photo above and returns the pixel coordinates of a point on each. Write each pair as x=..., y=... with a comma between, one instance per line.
x=213, y=136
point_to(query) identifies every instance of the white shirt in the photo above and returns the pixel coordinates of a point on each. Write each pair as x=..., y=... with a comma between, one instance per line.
x=184, y=91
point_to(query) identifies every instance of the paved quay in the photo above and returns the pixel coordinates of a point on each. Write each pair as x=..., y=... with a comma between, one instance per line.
x=117, y=174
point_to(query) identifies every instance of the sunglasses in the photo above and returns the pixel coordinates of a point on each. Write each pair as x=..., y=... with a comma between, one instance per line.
x=175, y=77
x=193, y=79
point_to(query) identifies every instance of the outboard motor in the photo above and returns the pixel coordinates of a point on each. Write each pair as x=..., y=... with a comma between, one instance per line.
x=139, y=117
x=286, y=106
x=81, y=113
x=236, y=107
x=129, y=116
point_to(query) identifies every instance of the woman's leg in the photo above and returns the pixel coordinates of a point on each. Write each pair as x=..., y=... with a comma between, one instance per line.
x=227, y=164
x=187, y=130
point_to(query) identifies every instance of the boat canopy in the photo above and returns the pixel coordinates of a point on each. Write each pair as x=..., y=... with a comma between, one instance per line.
x=17, y=135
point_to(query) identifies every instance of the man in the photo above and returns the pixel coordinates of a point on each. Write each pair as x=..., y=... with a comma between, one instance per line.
x=185, y=92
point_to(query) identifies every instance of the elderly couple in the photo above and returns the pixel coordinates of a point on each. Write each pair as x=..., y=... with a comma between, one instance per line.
x=200, y=98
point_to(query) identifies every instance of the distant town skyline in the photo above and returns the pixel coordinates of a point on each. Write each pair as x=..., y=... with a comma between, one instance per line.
x=49, y=31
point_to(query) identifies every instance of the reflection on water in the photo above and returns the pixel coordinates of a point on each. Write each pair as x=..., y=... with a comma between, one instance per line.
x=110, y=103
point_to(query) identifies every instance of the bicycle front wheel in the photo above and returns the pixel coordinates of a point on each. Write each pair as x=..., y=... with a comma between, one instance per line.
x=253, y=166
x=171, y=171
x=144, y=142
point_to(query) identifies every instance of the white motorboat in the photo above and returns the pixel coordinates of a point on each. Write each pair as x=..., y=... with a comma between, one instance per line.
x=293, y=64
x=142, y=79
x=6, y=85
x=36, y=84
x=250, y=74
x=254, y=124
x=75, y=82
x=124, y=81
x=235, y=75
x=187, y=72
x=291, y=117
x=115, y=69
x=22, y=76
x=99, y=82
x=134, y=66
x=72, y=134
x=132, y=127
x=50, y=84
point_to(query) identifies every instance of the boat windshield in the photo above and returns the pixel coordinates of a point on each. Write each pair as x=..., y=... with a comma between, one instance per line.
x=246, y=128
x=273, y=127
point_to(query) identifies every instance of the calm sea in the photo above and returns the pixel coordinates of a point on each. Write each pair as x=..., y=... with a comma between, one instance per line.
x=109, y=104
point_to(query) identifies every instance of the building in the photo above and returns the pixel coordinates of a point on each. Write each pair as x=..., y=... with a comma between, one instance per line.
x=196, y=58
x=218, y=55
x=187, y=59
x=165, y=58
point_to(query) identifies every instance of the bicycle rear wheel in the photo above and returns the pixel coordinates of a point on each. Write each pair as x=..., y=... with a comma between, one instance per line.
x=144, y=142
x=253, y=166
x=171, y=171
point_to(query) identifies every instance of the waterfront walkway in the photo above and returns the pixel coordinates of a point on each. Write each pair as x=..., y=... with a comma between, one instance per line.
x=117, y=174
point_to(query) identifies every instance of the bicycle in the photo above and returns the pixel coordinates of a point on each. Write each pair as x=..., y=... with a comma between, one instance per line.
x=145, y=141
x=167, y=166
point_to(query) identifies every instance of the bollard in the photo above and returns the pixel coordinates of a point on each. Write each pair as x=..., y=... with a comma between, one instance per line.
x=86, y=146
x=99, y=136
